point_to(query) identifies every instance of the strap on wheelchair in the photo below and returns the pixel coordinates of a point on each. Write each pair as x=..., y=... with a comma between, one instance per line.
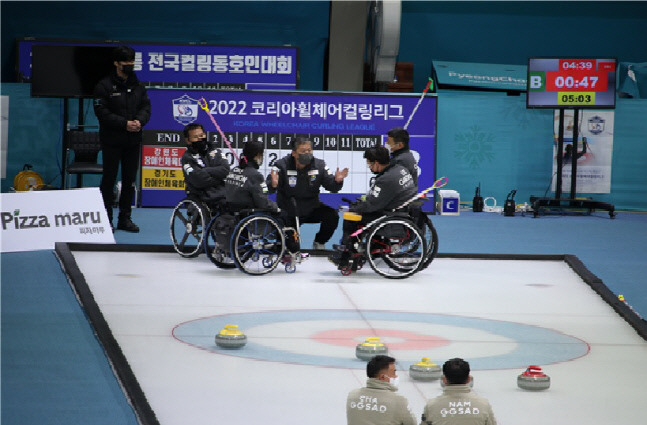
x=239, y=209
x=400, y=213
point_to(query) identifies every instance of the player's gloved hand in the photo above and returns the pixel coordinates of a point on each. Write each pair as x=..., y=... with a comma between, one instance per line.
x=348, y=201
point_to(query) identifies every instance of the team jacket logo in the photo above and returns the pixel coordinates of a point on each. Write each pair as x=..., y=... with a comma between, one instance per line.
x=185, y=110
x=460, y=407
x=368, y=403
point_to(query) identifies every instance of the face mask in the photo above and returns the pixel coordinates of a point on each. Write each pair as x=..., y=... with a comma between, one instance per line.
x=128, y=69
x=305, y=158
x=394, y=381
x=199, y=145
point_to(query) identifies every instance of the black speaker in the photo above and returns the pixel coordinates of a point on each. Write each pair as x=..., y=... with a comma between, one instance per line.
x=477, y=202
x=509, y=206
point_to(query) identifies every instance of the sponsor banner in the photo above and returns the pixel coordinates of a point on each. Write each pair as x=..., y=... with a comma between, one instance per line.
x=480, y=75
x=161, y=156
x=594, y=150
x=195, y=66
x=341, y=127
x=162, y=179
x=36, y=220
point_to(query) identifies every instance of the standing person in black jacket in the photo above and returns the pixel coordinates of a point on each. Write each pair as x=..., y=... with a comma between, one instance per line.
x=398, y=143
x=204, y=167
x=123, y=108
x=300, y=175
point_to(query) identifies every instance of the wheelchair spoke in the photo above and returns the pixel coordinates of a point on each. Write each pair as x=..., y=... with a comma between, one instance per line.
x=184, y=239
x=268, y=252
x=245, y=248
x=182, y=218
x=246, y=255
x=196, y=232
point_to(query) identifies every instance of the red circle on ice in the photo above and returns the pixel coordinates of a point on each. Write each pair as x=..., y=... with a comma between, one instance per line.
x=393, y=339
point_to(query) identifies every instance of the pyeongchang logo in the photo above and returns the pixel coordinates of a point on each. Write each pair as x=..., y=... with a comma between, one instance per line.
x=487, y=78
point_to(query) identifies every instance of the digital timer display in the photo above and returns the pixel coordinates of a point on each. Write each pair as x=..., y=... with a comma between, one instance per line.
x=576, y=83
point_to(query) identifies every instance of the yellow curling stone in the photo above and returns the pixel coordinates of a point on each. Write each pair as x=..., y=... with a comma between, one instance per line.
x=230, y=337
x=425, y=370
x=370, y=348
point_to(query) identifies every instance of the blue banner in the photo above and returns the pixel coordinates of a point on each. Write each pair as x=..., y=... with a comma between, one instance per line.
x=341, y=126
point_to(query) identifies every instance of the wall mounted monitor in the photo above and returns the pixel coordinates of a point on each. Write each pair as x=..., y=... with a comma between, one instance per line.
x=567, y=83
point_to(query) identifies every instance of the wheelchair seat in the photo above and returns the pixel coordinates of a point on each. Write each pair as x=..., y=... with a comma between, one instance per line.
x=244, y=210
x=352, y=216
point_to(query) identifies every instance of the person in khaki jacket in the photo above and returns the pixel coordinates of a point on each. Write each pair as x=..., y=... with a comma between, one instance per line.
x=377, y=403
x=458, y=405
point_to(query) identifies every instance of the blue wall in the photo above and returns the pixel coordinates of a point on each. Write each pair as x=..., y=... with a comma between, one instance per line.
x=275, y=23
x=508, y=32
x=516, y=143
x=492, y=139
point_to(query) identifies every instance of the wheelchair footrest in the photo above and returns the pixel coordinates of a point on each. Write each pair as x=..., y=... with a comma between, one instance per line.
x=295, y=258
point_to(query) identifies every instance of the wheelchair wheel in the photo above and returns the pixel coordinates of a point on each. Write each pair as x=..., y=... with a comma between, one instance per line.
x=214, y=250
x=431, y=238
x=187, y=227
x=257, y=244
x=395, y=248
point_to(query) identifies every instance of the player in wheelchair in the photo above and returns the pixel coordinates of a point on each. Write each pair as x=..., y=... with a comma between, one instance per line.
x=250, y=234
x=204, y=170
x=383, y=227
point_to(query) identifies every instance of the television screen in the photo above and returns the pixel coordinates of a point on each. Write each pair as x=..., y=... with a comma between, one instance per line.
x=558, y=83
x=68, y=71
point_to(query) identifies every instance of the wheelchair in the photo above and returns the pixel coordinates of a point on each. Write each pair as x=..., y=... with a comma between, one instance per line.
x=251, y=240
x=396, y=245
x=428, y=230
x=188, y=222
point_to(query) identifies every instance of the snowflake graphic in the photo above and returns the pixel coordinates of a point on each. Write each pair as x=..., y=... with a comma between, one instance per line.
x=474, y=147
x=515, y=112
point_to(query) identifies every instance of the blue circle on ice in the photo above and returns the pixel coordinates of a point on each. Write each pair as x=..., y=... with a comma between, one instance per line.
x=534, y=344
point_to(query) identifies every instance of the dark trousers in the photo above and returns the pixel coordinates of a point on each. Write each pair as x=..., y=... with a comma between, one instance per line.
x=113, y=156
x=327, y=216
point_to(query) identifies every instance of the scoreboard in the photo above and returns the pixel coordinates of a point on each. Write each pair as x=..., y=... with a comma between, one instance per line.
x=341, y=127
x=571, y=83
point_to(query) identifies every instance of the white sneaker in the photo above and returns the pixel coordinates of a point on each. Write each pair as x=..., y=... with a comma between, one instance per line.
x=317, y=245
